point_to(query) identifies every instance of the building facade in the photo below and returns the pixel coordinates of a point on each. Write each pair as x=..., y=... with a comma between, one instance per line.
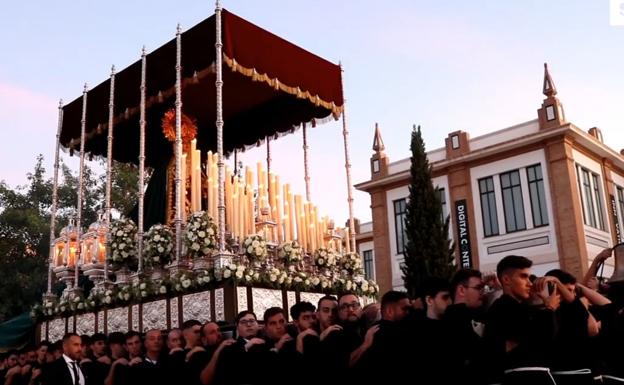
x=545, y=189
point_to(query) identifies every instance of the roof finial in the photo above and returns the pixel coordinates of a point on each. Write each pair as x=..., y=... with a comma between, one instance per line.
x=549, y=86
x=378, y=144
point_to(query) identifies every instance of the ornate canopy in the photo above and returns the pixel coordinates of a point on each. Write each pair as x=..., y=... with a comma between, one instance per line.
x=271, y=86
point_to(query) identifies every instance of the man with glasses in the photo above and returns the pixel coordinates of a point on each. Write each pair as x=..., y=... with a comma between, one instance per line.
x=338, y=346
x=465, y=322
x=242, y=361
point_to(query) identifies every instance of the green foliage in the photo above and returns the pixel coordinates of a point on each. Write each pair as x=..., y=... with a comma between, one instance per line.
x=429, y=251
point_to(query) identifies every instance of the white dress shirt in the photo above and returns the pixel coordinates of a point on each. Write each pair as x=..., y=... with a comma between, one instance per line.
x=69, y=361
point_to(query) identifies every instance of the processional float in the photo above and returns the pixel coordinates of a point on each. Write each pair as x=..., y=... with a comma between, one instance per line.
x=178, y=111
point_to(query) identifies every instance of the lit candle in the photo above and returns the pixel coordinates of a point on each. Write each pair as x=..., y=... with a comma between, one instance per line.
x=347, y=241
x=193, y=176
x=232, y=209
x=241, y=207
x=306, y=223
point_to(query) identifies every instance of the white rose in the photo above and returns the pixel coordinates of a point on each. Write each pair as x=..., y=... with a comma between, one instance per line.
x=365, y=286
x=247, y=278
x=210, y=231
x=227, y=273
x=162, y=290
x=126, y=296
x=143, y=294
x=186, y=283
x=81, y=305
x=247, y=242
x=161, y=249
x=281, y=280
x=241, y=268
x=142, y=286
x=320, y=261
x=156, y=258
x=258, y=251
x=256, y=276
x=201, y=234
x=250, y=250
x=239, y=274
x=287, y=248
x=324, y=284
x=255, y=243
x=195, y=246
x=307, y=282
x=349, y=285
x=315, y=281
x=156, y=238
x=119, y=233
x=207, y=279
x=272, y=277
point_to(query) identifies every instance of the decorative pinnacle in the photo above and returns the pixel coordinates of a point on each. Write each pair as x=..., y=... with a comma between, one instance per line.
x=143, y=51
x=378, y=144
x=549, y=86
x=179, y=29
x=113, y=69
x=86, y=88
x=61, y=103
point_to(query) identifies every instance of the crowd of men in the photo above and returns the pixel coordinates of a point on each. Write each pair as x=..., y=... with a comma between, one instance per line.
x=509, y=328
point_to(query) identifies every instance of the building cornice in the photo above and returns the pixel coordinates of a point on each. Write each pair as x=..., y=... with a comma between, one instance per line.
x=580, y=137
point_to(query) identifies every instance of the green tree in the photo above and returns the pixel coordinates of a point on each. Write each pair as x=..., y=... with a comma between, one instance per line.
x=428, y=250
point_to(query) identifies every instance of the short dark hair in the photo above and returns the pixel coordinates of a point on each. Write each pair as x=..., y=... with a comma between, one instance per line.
x=132, y=334
x=190, y=323
x=512, y=262
x=242, y=314
x=435, y=285
x=97, y=337
x=44, y=343
x=392, y=297
x=461, y=277
x=116, y=338
x=272, y=312
x=85, y=339
x=326, y=298
x=300, y=307
x=563, y=276
x=67, y=336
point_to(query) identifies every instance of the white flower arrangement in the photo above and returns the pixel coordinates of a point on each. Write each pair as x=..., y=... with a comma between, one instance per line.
x=204, y=277
x=158, y=246
x=123, y=242
x=290, y=252
x=351, y=263
x=324, y=258
x=124, y=294
x=182, y=283
x=255, y=248
x=201, y=234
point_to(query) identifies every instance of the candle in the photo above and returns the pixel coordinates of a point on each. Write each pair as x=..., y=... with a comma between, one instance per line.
x=183, y=189
x=291, y=212
x=193, y=176
x=306, y=224
x=228, y=200
x=299, y=221
x=347, y=242
x=241, y=207
x=232, y=209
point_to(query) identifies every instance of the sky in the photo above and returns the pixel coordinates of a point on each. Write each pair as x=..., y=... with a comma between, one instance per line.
x=475, y=66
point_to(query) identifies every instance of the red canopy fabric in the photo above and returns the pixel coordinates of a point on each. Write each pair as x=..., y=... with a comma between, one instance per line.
x=270, y=87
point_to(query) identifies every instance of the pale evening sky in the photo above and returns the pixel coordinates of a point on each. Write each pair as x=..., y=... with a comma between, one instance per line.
x=446, y=65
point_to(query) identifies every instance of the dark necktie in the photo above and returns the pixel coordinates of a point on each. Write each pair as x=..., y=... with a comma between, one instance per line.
x=75, y=369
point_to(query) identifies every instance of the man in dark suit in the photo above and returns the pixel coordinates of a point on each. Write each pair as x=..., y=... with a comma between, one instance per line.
x=66, y=371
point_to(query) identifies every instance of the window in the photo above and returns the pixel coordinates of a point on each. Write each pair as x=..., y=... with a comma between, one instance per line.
x=512, y=201
x=550, y=113
x=369, y=267
x=399, y=225
x=599, y=210
x=590, y=191
x=538, y=195
x=620, y=198
x=488, y=206
x=442, y=197
x=455, y=142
